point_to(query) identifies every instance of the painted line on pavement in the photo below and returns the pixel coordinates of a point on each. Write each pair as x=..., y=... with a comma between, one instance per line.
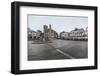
x=65, y=54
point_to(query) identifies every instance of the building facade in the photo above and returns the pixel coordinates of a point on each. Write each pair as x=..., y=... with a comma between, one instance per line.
x=76, y=34
x=64, y=35
x=33, y=35
x=49, y=33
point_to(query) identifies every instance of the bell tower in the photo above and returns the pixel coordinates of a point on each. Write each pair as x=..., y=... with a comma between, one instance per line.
x=50, y=30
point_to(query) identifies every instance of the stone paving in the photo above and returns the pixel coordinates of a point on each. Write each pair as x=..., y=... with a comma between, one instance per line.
x=57, y=49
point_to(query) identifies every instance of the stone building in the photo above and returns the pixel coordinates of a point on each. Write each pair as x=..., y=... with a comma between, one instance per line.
x=34, y=35
x=86, y=33
x=38, y=34
x=78, y=34
x=49, y=33
x=31, y=34
x=64, y=35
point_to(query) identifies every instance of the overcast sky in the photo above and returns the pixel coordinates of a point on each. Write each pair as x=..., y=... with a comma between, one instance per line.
x=59, y=23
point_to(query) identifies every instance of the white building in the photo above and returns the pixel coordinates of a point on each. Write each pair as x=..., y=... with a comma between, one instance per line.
x=64, y=35
x=78, y=34
x=86, y=33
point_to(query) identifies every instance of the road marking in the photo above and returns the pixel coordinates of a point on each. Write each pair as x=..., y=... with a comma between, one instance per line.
x=65, y=54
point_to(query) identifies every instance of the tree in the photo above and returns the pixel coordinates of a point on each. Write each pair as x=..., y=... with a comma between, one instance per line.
x=39, y=31
x=76, y=29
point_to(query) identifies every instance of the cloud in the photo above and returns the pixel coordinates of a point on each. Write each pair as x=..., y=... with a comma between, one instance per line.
x=59, y=23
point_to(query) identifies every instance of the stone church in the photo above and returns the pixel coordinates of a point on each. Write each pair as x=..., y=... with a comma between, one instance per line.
x=49, y=33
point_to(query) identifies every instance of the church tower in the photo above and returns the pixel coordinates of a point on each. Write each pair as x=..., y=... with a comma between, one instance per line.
x=50, y=30
x=45, y=32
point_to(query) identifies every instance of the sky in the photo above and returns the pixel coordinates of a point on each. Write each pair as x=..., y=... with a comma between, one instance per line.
x=58, y=23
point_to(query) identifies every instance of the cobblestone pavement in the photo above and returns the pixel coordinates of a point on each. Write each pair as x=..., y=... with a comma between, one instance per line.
x=57, y=49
